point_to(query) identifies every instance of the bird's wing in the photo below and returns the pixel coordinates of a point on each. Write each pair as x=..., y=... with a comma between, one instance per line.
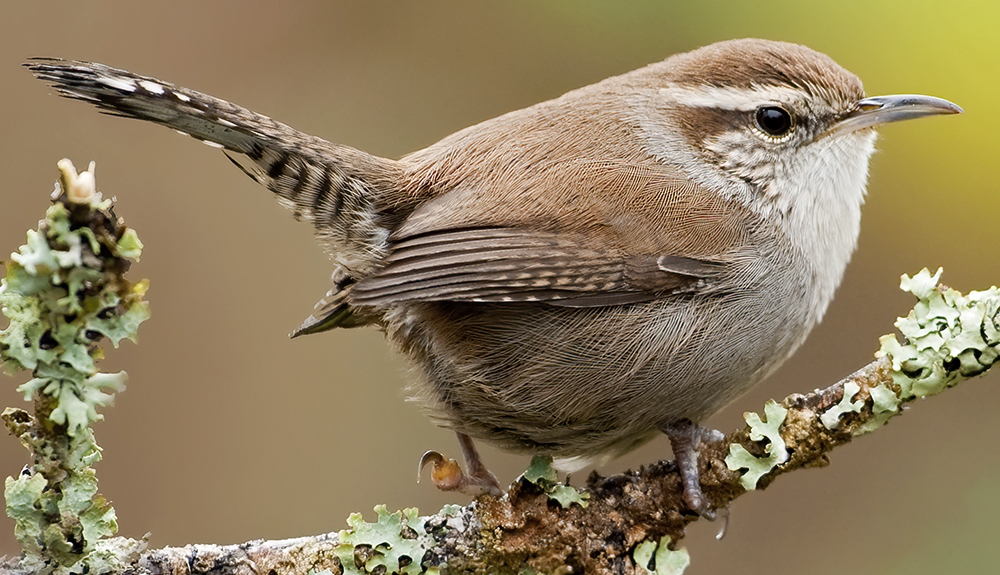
x=587, y=234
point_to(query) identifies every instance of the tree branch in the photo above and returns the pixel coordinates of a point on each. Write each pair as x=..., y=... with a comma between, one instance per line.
x=622, y=524
x=527, y=529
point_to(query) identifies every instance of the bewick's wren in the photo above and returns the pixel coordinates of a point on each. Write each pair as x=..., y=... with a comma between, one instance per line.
x=574, y=277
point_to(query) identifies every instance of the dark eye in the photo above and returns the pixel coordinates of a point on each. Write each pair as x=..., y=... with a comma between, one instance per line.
x=773, y=121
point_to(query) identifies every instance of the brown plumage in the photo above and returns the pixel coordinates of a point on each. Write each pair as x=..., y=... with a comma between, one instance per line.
x=573, y=277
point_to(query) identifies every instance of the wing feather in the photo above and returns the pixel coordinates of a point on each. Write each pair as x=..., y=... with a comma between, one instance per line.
x=514, y=265
x=652, y=236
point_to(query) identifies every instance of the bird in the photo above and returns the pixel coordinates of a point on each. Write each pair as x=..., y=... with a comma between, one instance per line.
x=579, y=276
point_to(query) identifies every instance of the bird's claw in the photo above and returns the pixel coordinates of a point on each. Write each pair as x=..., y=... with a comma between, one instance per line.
x=723, y=514
x=447, y=475
x=697, y=502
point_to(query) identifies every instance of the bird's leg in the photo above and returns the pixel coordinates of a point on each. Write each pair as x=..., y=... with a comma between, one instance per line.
x=686, y=439
x=448, y=476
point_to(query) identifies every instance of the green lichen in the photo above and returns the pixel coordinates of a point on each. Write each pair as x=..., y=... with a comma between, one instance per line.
x=541, y=474
x=667, y=561
x=885, y=404
x=396, y=543
x=831, y=418
x=63, y=292
x=757, y=467
x=949, y=336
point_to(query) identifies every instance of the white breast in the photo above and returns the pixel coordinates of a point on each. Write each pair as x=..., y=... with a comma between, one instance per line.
x=821, y=207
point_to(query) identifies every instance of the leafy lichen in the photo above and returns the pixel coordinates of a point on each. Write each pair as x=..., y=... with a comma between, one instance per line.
x=948, y=335
x=885, y=404
x=541, y=474
x=831, y=417
x=63, y=292
x=757, y=467
x=660, y=559
x=395, y=543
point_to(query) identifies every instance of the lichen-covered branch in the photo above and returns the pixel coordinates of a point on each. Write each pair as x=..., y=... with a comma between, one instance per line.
x=65, y=290
x=630, y=523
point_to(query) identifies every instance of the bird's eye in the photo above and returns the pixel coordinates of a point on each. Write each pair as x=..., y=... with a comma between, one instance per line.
x=773, y=121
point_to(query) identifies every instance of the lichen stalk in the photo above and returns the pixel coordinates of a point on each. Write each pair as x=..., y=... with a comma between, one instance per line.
x=64, y=291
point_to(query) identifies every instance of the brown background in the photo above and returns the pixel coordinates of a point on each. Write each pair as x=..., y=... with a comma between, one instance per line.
x=229, y=431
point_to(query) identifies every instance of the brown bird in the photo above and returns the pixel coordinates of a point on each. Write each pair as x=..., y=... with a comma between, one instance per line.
x=575, y=277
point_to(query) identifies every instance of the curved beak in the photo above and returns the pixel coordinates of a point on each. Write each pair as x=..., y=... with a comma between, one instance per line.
x=880, y=110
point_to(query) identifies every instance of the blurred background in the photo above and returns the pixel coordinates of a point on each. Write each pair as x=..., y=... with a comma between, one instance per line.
x=229, y=431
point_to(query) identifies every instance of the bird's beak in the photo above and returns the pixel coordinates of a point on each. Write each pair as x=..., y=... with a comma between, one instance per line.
x=880, y=110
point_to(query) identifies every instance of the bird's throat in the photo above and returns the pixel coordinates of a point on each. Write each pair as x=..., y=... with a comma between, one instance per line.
x=819, y=203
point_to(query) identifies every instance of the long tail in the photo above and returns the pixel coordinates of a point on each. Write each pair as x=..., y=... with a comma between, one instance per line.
x=342, y=191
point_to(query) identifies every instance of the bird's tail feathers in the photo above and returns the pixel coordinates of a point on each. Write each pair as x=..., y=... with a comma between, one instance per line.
x=337, y=188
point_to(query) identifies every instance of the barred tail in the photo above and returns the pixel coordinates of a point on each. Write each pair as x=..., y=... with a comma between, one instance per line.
x=342, y=191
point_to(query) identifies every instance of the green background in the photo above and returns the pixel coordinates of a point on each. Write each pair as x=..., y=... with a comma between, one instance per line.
x=230, y=432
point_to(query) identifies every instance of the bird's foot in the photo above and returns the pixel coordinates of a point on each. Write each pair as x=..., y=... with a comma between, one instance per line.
x=448, y=475
x=686, y=439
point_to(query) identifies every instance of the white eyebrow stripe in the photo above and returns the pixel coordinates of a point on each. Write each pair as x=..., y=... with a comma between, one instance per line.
x=729, y=98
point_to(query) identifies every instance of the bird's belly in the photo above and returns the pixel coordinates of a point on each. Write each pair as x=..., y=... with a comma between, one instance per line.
x=575, y=381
